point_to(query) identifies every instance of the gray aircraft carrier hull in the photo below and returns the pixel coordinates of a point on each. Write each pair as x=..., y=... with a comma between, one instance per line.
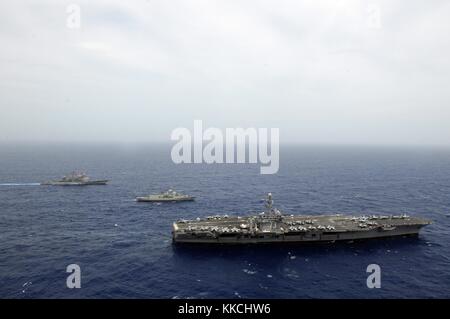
x=303, y=238
x=339, y=228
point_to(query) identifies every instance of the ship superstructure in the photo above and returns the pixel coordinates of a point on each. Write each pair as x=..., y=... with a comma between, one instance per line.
x=75, y=179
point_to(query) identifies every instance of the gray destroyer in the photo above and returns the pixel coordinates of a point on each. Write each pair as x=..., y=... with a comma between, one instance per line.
x=75, y=179
x=272, y=226
x=168, y=196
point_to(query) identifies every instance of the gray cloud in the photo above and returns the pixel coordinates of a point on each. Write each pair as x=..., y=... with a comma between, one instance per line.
x=321, y=71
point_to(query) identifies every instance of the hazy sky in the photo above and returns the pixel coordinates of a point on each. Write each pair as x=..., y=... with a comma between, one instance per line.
x=321, y=71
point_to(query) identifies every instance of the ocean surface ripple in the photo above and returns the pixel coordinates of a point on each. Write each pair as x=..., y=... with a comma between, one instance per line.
x=124, y=248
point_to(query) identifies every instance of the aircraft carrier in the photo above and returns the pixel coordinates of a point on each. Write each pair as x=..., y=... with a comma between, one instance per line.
x=272, y=226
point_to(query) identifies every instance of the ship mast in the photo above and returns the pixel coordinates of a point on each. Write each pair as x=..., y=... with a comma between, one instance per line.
x=269, y=204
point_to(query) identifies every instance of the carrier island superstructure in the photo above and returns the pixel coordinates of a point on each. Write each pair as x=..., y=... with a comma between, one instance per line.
x=272, y=226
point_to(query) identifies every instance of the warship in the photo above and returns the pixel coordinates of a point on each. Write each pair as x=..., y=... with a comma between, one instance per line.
x=272, y=226
x=168, y=196
x=75, y=179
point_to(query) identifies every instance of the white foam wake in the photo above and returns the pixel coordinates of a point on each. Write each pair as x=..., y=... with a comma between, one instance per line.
x=20, y=184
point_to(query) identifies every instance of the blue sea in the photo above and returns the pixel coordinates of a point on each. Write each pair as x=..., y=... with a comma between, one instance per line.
x=124, y=248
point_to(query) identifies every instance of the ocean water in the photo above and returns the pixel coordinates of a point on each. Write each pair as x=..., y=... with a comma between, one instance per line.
x=124, y=248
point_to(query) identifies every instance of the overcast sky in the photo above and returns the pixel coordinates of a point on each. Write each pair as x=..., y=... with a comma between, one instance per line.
x=374, y=72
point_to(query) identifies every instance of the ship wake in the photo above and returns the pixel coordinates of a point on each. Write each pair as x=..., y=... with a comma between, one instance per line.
x=20, y=184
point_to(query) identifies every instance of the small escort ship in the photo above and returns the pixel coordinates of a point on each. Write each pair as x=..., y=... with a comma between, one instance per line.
x=272, y=226
x=168, y=196
x=76, y=179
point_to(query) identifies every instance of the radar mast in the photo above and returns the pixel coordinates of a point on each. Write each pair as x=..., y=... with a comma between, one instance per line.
x=269, y=205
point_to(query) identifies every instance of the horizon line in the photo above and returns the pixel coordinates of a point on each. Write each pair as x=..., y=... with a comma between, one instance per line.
x=168, y=143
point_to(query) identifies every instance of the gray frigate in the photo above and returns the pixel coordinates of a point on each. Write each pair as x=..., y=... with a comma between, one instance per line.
x=272, y=226
x=168, y=196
